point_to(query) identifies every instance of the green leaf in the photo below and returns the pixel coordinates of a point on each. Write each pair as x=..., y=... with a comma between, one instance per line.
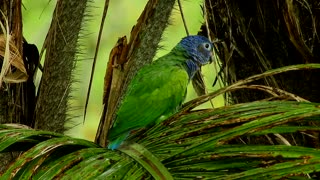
x=147, y=160
x=199, y=144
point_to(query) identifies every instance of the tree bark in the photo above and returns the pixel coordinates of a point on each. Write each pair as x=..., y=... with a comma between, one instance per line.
x=18, y=103
x=260, y=35
x=61, y=47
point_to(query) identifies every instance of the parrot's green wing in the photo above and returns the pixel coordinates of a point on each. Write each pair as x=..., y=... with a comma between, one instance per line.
x=157, y=90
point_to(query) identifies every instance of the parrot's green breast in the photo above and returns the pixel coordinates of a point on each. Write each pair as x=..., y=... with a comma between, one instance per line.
x=157, y=90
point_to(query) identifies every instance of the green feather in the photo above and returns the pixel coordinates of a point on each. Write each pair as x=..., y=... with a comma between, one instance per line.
x=157, y=90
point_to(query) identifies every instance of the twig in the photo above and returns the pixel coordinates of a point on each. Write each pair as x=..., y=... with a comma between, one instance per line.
x=183, y=19
x=105, y=10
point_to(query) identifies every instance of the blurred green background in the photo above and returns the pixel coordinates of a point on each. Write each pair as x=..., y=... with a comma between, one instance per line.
x=122, y=15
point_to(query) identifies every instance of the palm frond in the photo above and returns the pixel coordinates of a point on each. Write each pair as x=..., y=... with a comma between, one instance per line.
x=199, y=144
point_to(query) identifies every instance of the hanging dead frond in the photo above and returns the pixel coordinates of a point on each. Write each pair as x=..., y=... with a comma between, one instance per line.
x=13, y=69
x=295, y=31
x=263, y=35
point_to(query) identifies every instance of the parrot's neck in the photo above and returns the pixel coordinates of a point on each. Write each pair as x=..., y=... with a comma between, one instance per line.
x=191, y=68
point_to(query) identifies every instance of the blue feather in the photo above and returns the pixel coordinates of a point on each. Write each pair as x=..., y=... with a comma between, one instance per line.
x=117, y=142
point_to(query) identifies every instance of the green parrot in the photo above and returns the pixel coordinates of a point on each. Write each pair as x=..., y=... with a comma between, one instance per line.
x=158, y=90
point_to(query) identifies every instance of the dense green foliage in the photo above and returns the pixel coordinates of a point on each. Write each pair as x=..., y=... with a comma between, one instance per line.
x=199, y=144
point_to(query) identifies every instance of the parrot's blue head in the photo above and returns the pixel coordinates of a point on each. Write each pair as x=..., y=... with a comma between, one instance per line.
x=199, y=48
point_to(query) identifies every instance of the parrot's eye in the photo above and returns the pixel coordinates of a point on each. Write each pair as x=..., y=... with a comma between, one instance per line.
x=207, y=46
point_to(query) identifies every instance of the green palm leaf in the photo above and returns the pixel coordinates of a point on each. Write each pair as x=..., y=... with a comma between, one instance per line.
x=194, y=145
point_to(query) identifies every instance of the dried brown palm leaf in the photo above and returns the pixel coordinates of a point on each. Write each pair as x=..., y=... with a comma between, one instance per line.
x=13, y=69
x=295, y=31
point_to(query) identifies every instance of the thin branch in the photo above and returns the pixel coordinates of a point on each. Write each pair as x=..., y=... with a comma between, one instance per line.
x=105, y=10
x=183, y=19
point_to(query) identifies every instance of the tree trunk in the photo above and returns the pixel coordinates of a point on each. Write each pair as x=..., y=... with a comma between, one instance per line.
x=61, y=49
x=260, y=35
x=18, y=101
